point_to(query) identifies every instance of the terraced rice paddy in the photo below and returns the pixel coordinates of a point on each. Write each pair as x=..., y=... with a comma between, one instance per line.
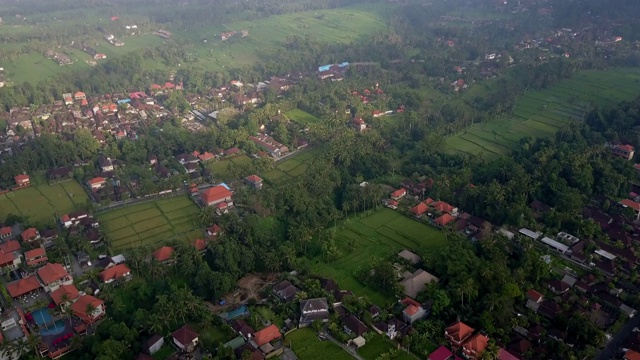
x=542, y=113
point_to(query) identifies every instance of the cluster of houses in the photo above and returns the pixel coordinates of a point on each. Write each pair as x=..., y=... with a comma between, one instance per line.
x=335, y=72
x=60, y=58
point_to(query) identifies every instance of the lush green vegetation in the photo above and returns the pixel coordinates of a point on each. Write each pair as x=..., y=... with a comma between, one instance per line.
x=542, y=113
x=293, y=166
x=379, y=235
x=302, y=116
x=44, y=204
x=150, y=223
x=306, y=345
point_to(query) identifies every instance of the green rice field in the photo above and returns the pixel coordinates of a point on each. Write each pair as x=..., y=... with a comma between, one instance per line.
x=380, y=235
x=542, y=113
x=151, y=223
x=221, y=169
x=302, y=117
x=44, y=203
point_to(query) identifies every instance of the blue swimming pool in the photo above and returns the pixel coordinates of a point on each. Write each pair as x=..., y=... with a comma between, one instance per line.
x=42, y=316
x=54, y=329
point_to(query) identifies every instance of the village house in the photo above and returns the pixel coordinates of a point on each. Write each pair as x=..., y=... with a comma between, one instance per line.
x=65, y=295
x=412, y=258
x=353, y=325
x=97, y=183
x=153, y=344
x=22, y=180
x=10, y=258
x=264, y=337
x=473, y=348
x=312, y=310
x=30, y=234
x=457, y=333
x=216, y=196
x=254, y=181
x=88, y=308
x=285, y=290
x=24, y=286
x=415, y=282
x=106, y=165
x=120, y=271
x=5, y=232
x=53, y=276
x=413, y=312
x=164, y=254
x=442, y=353
x=241, y=328
x=398, y=194
x=393, y=327
x=359, y=124
x=185, y=338
x=35, y=257
x=270, y=145
x=534, y=299
x=624, y=151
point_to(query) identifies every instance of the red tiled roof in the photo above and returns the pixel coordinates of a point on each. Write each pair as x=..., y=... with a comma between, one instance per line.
x=96, y=180
x=632, y=355
x=627, y=148
x=442, y=207
x=69, y=290
x=115, y=272
x=399, y=193
x=32, y=254
x=23, y=286
x=29, y=234
x=407, y=301
x=459, y=330
x=20, y=178
x=7, y=258
x=630, y=203
x=428, y=201
x=442, y=353
x=185, y=335
x=266, y=335
x=411, y=310
x=65, y=218
x=217, y=193
x=200, y=244
x=419, y=209
x=477, y=343
x=444, y=219
x=80, y=306
x=206, y=156
x=10, y=246
x=534, y=295
x=51, y=273
x=5, y=231
x=163, y=254
x=254, y=178
x=505, y=355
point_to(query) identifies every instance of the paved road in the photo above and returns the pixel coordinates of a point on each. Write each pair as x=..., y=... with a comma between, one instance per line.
x=610, y=350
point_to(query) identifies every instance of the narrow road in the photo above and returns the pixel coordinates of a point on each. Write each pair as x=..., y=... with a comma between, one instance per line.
x=610, y=350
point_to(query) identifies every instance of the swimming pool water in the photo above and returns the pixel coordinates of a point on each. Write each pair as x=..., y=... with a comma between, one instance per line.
x=55, y=329
x=42, y=316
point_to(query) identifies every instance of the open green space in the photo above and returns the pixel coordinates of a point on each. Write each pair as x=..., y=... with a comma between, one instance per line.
x=293, y=166
x=542, y=113
x=380, y=235
x=151, y=223
x=43, y=203
x=378, y=345
x=221, y=169
x=307, y=346
x=302, y=117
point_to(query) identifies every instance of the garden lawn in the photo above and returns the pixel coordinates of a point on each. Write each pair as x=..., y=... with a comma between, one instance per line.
x=302, y=117
x=151, y=223
x=43, y=203
x=306, y=345
x=293, y=166
x=379, y=235
x=542, y=113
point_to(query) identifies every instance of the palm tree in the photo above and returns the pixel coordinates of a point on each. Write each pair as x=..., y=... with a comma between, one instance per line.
x=90, y=310
x=154, y=324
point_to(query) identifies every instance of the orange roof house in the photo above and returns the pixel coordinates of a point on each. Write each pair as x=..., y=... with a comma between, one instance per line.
x=23, y=286
x=631, y=355
x=215, y=195
x=206, y=156
x=200, y=245
x=96, y=182
x=114, y=273
x=400, y=193
x=69, y=292
x=21, y=180
x=419, y=209
x=163, y=254
x=81, y=306
x=457, y=333
x=474, y=347
x=5, y=232
x=79, y=95
x=30, y=234
x=443, y=207
x=35, y=257
x=444, y=220
x=53, y=275
x=10, y=246
x=266, y=335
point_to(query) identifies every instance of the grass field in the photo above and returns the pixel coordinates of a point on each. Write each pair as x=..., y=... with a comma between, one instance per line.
x=151, y=223
x=306, y=345
x=221, y=168
x=379, y=235
x=43, y=203
x=542, y=113
x=378, y=345
x=293, y=166
x=302, y=117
